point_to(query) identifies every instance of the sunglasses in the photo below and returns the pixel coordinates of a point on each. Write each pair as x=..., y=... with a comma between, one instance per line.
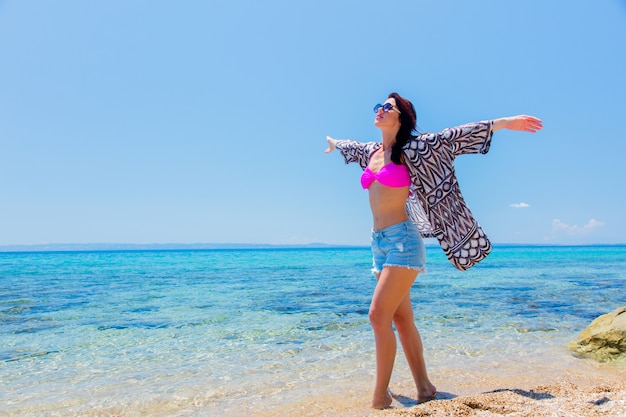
x=386, y=107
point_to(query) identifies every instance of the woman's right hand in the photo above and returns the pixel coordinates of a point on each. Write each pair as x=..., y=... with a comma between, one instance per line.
x=331, y=144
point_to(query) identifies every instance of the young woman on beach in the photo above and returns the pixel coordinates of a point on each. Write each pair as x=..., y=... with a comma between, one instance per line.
x=413, y=192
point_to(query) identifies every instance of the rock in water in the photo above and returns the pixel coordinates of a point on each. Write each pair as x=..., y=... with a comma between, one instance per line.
x=605, y=338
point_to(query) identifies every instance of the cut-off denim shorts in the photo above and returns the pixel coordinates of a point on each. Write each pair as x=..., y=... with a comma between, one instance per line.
x=398, y=245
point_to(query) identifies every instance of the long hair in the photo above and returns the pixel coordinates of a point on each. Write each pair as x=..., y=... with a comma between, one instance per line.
x=408, y=125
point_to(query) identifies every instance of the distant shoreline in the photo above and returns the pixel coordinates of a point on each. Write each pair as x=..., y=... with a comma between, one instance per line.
x=103, y=247
x=95, y=247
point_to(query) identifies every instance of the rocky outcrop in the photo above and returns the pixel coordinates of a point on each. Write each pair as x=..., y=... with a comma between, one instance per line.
x=605, y=338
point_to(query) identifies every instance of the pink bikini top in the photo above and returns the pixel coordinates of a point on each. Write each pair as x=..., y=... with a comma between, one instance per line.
x=390, y=175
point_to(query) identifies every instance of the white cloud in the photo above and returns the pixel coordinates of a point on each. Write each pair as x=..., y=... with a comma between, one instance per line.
x=519, y=205
x=574, y=229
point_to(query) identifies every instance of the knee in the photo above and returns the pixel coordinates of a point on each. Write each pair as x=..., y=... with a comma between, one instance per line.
x=379, y=319
x=403, y=322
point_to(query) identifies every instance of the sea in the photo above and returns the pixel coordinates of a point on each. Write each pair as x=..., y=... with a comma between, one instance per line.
x=281, y=331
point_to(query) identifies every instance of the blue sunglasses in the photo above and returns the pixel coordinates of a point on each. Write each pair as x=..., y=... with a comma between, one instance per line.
x=386, y=107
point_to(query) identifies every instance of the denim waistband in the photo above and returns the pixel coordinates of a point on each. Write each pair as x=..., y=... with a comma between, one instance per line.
x=392, y=229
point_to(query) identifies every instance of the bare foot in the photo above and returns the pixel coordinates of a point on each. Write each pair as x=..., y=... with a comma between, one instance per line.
x=380, y=403
x=426, y=395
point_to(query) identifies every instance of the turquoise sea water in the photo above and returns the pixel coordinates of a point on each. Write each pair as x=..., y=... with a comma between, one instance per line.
x=250, y=332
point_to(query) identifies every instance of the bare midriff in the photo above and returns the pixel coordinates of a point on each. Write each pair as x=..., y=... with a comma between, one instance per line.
x=388, y=205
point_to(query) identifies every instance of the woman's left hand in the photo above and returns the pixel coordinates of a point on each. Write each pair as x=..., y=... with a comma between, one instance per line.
x=522, y=122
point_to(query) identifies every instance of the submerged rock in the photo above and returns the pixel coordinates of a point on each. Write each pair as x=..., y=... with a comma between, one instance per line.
x=605, y=338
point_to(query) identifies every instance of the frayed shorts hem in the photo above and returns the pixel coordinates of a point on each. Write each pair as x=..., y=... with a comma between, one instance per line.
x=419, y=269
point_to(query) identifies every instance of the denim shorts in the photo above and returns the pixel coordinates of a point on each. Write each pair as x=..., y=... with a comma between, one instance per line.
x=398, y=245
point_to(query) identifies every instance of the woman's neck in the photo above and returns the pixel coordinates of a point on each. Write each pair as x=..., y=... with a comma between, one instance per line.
x=389, y=139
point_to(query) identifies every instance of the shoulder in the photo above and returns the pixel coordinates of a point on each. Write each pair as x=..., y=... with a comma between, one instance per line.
x=420, y=140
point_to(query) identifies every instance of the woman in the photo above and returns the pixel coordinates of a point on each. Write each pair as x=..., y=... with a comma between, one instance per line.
x=413, y=191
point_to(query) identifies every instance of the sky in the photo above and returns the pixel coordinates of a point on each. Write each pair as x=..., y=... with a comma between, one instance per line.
x=151, y=121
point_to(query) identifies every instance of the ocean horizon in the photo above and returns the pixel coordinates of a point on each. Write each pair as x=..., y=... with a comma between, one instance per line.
x=82, y=247
x=281, y=330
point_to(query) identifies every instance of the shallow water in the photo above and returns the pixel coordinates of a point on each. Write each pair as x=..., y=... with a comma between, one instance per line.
x=277, y=331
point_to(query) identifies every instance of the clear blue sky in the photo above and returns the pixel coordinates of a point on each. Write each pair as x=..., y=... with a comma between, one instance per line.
x=205, y=121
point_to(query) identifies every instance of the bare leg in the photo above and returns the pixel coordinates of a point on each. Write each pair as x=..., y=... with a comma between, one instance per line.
x=394, y=284
x=413, y=349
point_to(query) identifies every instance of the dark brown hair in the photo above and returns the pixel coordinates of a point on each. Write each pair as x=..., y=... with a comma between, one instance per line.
x=408, y=126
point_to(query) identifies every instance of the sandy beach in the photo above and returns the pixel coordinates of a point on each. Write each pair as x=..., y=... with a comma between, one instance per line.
x=563, y=399
x=569, y=387
x=591, y=390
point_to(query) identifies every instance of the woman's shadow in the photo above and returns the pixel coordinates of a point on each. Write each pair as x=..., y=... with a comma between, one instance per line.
x=442, y=395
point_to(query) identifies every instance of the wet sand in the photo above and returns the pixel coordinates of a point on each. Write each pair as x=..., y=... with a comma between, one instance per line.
x=569, y=387
x=587, y=390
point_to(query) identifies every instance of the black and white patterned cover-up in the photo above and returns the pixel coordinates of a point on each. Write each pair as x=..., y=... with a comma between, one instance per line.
x=435, y=203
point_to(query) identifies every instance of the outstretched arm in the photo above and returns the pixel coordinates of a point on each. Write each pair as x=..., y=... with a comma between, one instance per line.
x=353, y=151
x=522, y=122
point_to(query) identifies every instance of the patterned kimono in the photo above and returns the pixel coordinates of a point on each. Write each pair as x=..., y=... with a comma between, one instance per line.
x=435, y=203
